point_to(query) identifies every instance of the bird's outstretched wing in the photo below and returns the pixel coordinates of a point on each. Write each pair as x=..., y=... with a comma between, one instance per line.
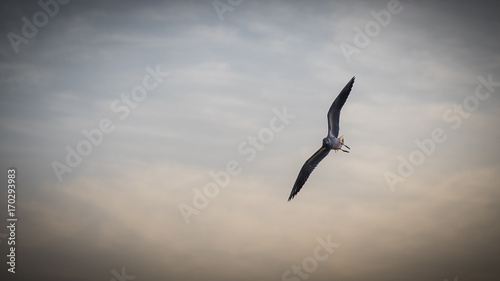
x=333, y=115
x=307, y=169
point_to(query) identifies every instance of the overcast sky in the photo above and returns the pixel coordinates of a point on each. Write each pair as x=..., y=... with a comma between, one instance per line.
x=160, y=139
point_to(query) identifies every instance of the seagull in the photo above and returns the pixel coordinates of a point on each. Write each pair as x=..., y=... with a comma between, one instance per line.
x=331, y=142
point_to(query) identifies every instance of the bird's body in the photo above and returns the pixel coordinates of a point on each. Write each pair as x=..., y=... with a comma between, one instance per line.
x=330, y=142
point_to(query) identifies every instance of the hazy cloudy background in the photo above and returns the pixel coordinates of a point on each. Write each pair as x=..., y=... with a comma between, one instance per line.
x=118, y=211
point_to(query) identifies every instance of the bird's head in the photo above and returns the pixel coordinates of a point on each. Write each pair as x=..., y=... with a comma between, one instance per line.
x=327, y=142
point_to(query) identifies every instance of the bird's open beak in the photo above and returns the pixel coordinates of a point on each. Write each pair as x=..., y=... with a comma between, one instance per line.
x=342, y=140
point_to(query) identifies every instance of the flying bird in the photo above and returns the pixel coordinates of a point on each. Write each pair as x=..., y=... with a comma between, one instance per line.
x=331, y=142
